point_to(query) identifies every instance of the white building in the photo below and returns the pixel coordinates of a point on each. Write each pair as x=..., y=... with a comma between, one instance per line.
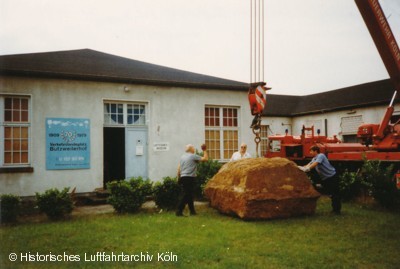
x=82, y=118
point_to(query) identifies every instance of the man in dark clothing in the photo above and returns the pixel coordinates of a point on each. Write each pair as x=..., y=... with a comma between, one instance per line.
x=187, y=175
x=330, y=181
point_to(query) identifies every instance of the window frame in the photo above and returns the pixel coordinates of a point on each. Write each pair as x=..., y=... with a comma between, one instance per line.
x=226, y=148
x=15, y=167
x=142, y=117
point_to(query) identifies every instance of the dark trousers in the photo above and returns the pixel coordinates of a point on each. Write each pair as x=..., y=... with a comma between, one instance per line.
x=186, y=197
x=331, y=187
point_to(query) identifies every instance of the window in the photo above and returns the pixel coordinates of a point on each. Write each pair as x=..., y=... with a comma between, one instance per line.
x=113, y=114
x=136, y=114
x=350, y=139
x=221, y=131
x=122, y=114
x=395, y=117
x=15, y=131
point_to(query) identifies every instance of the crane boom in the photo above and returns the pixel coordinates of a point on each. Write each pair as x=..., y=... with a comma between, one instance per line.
x=383, y=37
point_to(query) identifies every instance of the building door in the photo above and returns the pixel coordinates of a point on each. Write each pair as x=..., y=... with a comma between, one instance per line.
x=125, y=140
x=113, y=154
x=136, y=152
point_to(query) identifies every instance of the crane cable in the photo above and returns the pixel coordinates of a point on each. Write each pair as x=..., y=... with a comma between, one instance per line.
x=256, y=35
x=257, y=58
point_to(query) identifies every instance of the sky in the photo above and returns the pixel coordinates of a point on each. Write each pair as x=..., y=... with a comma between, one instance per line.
x=310, y=46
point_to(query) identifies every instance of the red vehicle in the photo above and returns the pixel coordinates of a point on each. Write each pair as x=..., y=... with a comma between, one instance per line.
x=378, y=141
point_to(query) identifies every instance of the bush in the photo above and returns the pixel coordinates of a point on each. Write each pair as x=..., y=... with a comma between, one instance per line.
x=166, y=193
x=381, y=183
x=128, y=196
x=351, y=185
x=374, y=178
x=54, y=203
x=9, y=208
x=205, y=171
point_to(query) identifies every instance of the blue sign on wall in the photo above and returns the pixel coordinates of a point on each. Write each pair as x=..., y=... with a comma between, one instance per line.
x=67, y=143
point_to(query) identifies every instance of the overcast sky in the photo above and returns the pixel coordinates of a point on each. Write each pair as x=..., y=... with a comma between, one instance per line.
x=310, y=45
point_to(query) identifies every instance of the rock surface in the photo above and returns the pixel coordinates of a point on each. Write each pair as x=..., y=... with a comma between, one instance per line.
x=262, y=188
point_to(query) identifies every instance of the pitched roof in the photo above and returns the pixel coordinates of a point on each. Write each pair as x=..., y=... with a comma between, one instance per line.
x=363, y=95
x=88, y=64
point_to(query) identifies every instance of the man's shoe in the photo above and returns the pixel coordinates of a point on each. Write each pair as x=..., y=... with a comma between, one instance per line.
x=179, y=214
x=193, y=213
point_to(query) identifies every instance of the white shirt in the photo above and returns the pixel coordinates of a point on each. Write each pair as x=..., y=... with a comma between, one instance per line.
x=237, y=156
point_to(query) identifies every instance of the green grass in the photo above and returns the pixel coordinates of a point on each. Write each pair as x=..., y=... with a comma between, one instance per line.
x=359, y=238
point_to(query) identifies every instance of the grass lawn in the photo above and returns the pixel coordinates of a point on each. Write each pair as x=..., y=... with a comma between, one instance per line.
x=359, y=238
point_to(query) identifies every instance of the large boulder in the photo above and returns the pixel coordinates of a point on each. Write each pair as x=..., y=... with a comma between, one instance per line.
x=262, y=188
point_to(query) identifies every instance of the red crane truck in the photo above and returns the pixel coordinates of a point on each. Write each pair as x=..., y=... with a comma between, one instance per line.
x=377, y=141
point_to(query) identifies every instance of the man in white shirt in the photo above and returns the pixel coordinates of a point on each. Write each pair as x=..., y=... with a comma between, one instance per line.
x=241, y=154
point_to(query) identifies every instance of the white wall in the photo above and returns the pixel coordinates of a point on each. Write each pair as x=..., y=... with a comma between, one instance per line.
x=64, y=99
x=176, y=115
x=369, y=115
x=278, y=125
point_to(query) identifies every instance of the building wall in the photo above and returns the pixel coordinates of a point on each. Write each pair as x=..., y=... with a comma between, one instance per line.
x=278, y=125
x=333, y=120
x=175, y=115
